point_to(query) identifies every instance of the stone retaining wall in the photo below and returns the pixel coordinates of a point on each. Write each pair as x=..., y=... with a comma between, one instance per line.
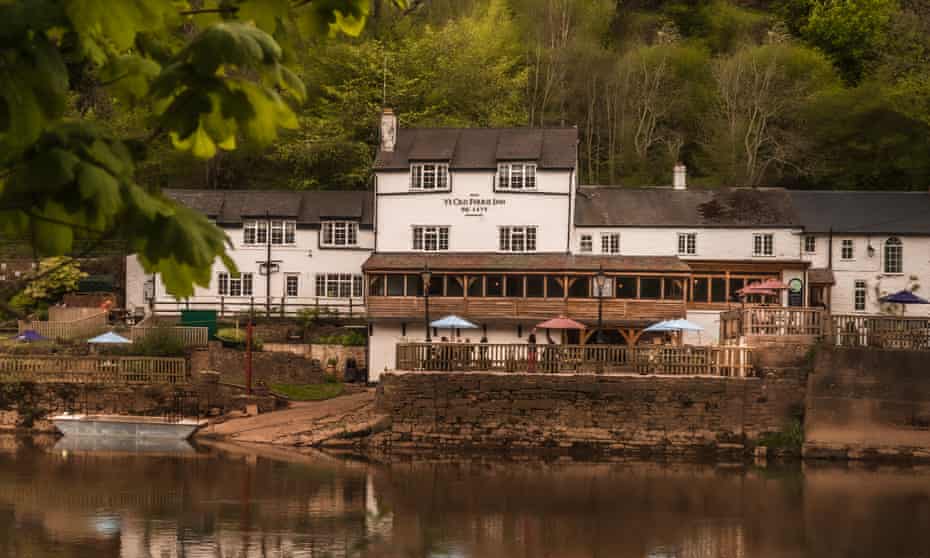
x=866, y=403
x=604, y=414
x=269, y=367
x=28, y=405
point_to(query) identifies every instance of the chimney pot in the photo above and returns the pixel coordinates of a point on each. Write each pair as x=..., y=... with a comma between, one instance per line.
x=680, y=177
x=388, y=130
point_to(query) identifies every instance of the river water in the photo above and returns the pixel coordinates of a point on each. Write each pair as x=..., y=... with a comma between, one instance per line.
x=222, y=501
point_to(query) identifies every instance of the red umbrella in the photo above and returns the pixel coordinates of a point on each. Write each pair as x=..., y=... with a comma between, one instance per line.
x=561, y=323
x=755, y=290
x=772, y=285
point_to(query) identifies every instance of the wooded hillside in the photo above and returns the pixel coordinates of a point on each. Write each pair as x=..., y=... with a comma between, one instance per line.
x=798, y=93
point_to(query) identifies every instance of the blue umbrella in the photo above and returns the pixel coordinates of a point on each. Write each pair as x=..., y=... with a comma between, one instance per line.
x=674, y=325
x=904, y=297
x=453, y=321
x=29, y=335
x=109, y=338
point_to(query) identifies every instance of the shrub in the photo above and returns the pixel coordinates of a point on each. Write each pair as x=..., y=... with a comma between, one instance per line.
x=353, y=339
x=159, y=342
x=235, y=339
x=791, y=439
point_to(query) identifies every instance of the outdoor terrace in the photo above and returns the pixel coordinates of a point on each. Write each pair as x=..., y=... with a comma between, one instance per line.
x=585, y=359
x=786, y=324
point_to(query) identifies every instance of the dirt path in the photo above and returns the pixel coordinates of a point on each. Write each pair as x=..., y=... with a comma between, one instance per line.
x=306, y=423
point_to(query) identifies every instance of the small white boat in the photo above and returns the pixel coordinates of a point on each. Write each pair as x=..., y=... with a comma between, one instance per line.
x=123, y=426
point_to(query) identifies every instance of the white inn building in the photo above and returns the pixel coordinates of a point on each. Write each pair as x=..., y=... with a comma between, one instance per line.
x=510, y=239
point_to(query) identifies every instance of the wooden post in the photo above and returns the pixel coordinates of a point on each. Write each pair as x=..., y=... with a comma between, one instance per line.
x=248, y=357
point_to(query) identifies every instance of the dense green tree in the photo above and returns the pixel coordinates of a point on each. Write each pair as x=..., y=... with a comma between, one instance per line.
x=864, y=142
x=851, y=32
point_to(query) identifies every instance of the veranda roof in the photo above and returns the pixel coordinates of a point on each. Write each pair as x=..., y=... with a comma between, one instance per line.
x=517, y=263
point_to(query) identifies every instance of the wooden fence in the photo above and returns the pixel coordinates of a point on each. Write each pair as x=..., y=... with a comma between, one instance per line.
x=259, y=306
x=189, y=336
x=522, y=358
x=773, y=321
x=93, y=370
x=885, y=332
x=843, y=330
x=82, y=328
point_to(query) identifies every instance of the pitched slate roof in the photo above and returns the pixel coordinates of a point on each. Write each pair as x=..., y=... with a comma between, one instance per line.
x=230, y=207
x=482, y=148
x=483, y=261
x=665, y=207
x=863, y=212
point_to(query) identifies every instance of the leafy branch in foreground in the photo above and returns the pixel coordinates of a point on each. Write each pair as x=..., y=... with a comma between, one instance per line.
x=210, y=73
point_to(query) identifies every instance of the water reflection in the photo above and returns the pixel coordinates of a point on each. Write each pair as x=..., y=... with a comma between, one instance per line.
x=220, y=501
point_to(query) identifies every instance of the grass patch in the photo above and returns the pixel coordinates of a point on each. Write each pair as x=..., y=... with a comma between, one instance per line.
x=309, y=392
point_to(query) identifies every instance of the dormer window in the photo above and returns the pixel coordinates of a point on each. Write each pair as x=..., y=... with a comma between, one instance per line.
x=340, y=233
x=429, y=176
x=516, y=176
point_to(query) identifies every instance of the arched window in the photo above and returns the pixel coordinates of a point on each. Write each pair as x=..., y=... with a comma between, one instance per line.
x=894, y=256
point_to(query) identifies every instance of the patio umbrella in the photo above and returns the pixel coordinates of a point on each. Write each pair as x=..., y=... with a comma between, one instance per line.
x=755, y=290
x=772, y=285
x=674, y=325
x=29, y=336
x=904, y=297
x=109, y=338
x=561, y=323
x=453, y=322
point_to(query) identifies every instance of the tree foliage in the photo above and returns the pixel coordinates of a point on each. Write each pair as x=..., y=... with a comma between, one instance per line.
x=102, y=102
x=208, y=74
x=53, y=278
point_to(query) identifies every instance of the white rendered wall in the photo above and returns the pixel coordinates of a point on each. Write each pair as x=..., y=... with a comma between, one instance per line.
x=473, y=226
x=305, y=258
x=135, y=283
x=710, y=321
x=863, y=267
x=712, y=243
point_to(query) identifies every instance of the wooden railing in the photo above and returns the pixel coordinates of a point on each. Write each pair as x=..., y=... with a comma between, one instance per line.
x=879, y=331
x=82, y=328
x=524, y=358
x=93, y=370
x=773, y=321
x=584, y=309
x=189, y=336
x=279, y=307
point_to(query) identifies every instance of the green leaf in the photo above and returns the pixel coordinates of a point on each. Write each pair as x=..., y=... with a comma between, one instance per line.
x=128, y=77
x=264, y=13
x=97, y=184
x=200, y=144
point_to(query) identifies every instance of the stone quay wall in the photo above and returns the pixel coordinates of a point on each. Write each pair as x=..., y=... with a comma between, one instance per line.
x=28, y=405
x=267, y=366
x=282, y=364
x=607, y=414
x=866, y=403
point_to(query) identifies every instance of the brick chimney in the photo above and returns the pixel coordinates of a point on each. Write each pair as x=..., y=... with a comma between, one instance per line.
x=680, y=177
x=388, y=130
